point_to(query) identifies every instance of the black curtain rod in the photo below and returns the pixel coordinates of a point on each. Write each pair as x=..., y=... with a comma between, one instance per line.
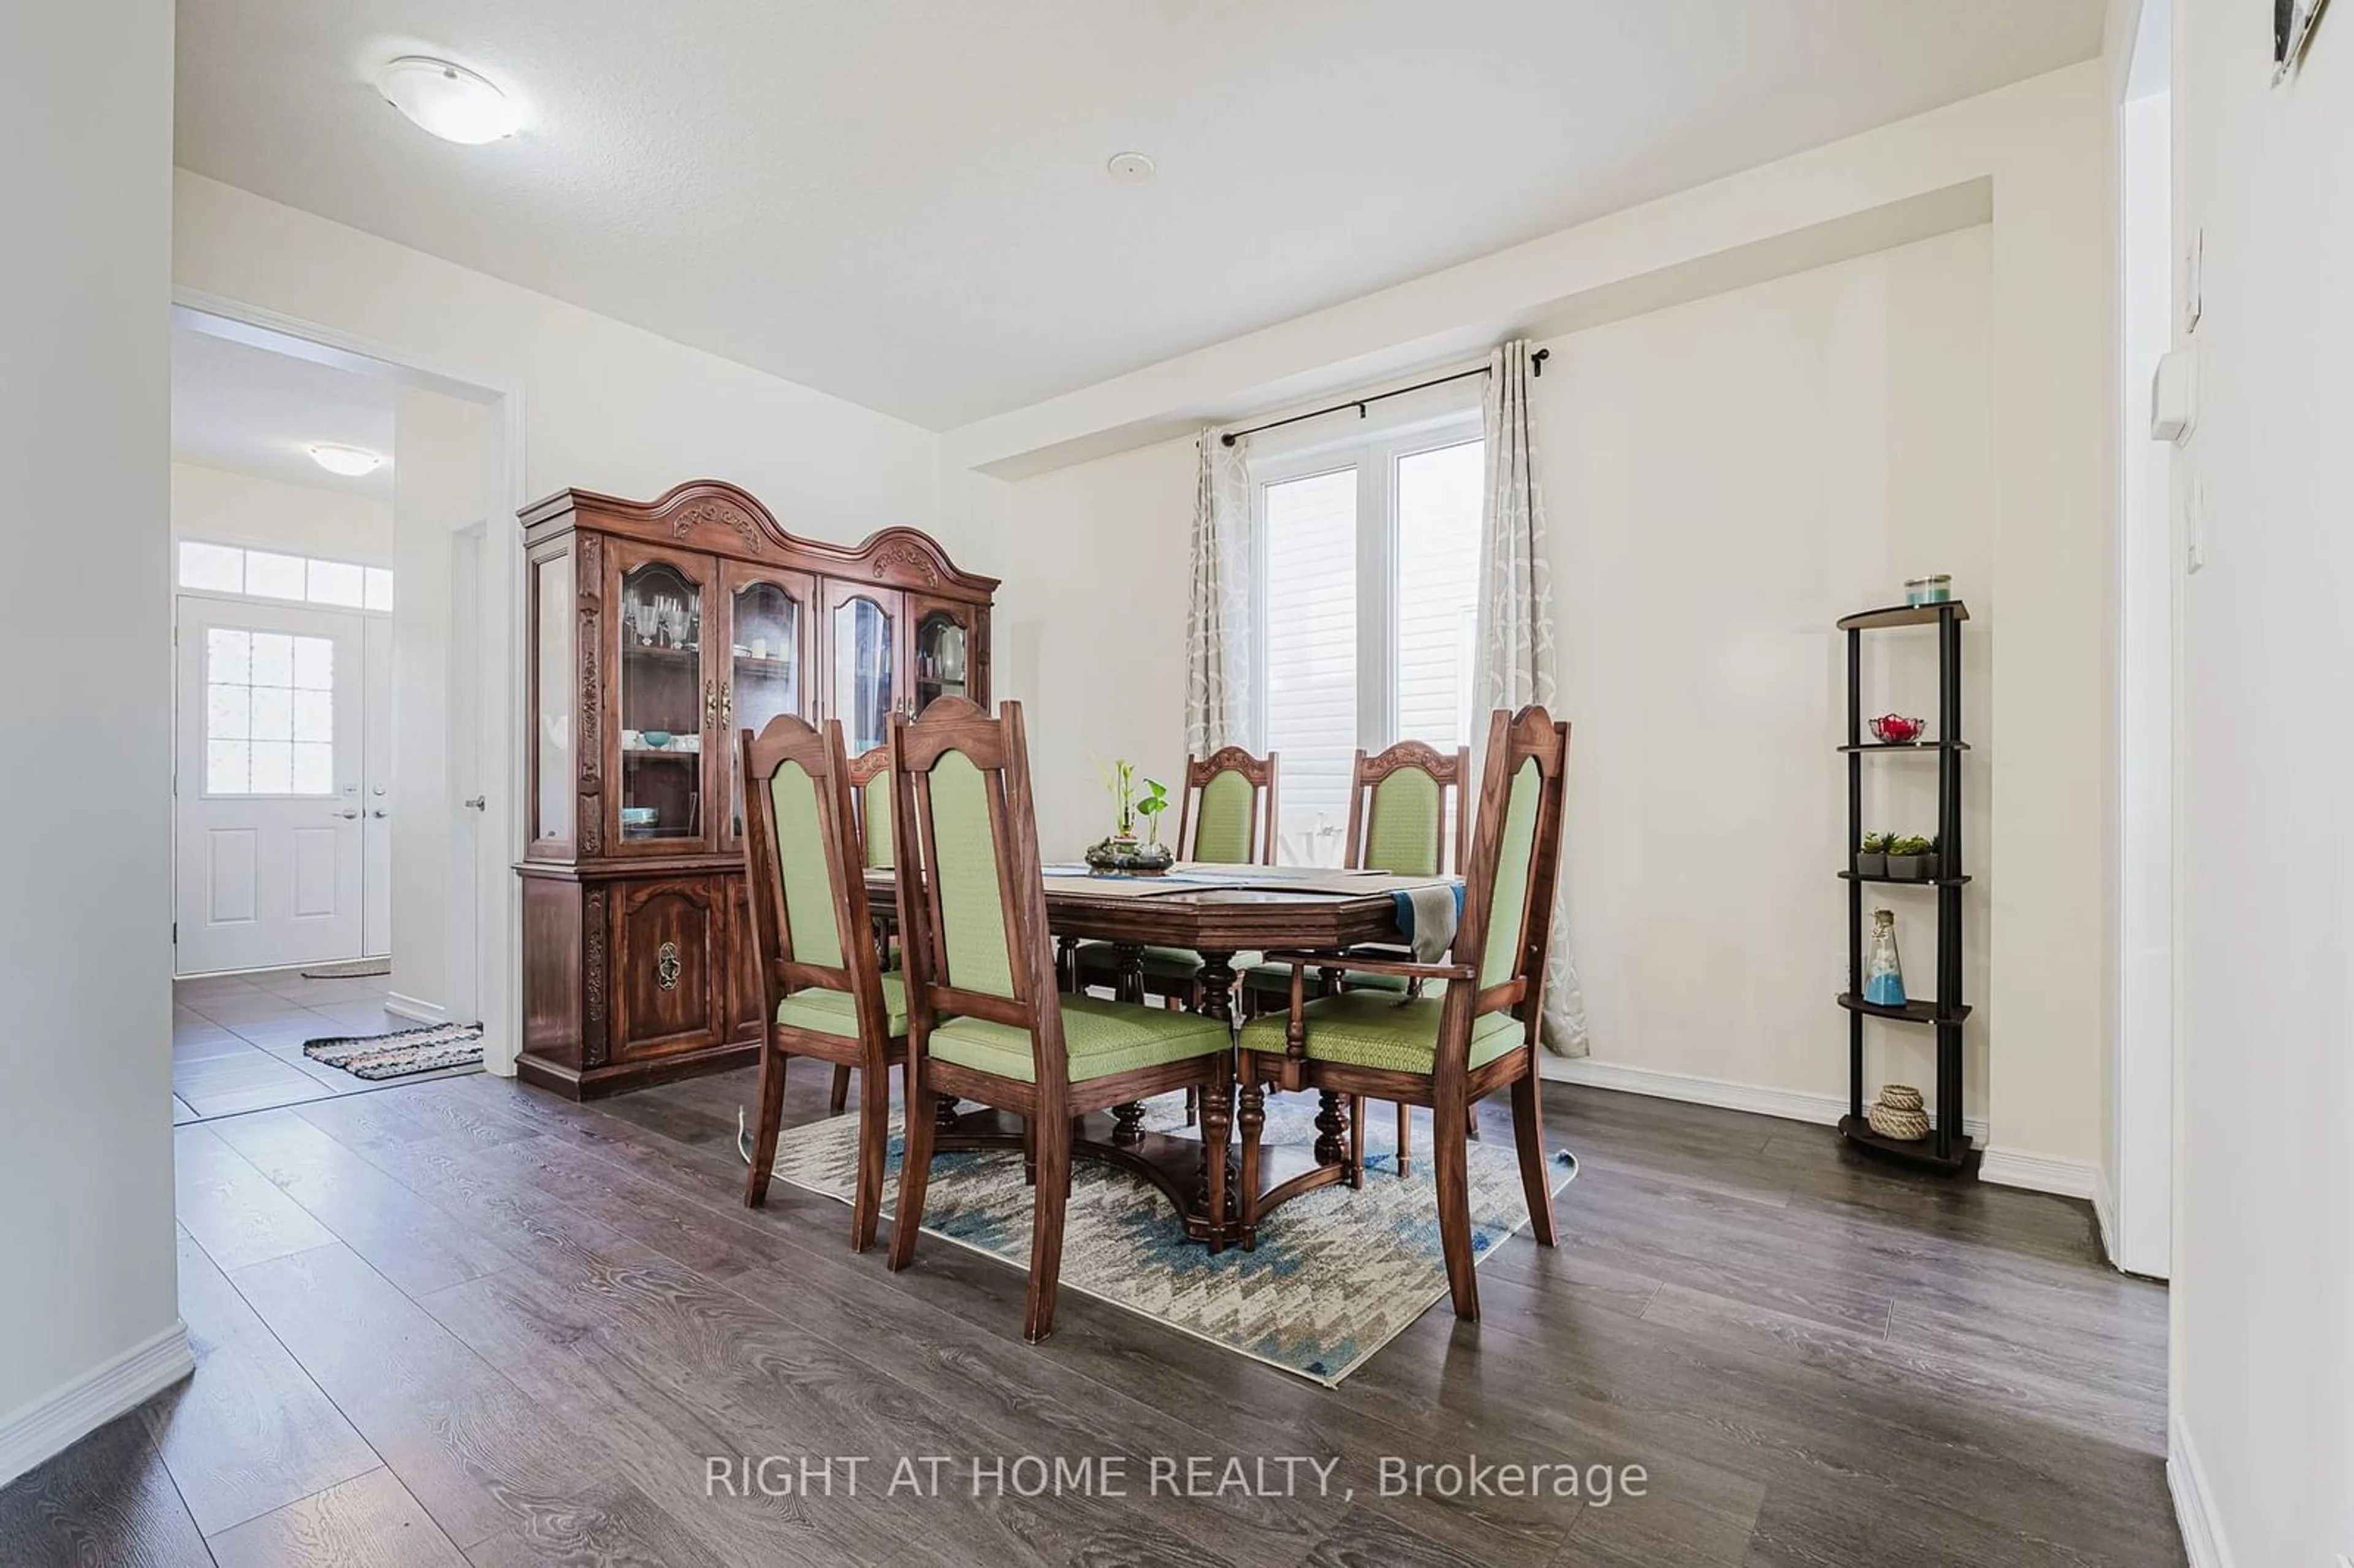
x=1536, y=365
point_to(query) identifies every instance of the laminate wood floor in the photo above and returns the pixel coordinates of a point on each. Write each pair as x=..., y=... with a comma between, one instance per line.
x=463, y=1322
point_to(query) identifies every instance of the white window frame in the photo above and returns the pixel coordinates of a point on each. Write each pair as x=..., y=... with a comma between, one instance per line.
x=1374, y=449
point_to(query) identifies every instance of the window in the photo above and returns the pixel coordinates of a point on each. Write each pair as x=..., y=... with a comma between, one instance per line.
x=1368, y=612
x=270, y=712
x=265, y=574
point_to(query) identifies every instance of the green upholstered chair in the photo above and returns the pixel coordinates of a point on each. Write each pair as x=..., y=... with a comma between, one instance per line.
x=1405, y=817
x=1445, y=1052
x=828, y=997
x=1225, y=816
x=986, y=1019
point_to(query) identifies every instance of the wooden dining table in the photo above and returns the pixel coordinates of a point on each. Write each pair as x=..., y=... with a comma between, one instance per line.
x=1190, y=909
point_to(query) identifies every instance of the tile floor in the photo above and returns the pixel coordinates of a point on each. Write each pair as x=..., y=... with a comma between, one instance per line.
x=236, y=1039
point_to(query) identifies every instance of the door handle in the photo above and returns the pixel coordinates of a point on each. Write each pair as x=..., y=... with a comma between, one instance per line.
x=475, y=803
x=351, y=815
x=379, y=812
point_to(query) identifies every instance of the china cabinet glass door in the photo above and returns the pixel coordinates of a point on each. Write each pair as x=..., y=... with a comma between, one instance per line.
x=769, y=619
x=863, y=638
x=944, y=651
x=555, y=772
x=667, y=697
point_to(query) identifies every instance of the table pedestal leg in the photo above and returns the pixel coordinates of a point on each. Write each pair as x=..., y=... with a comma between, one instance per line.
x=1128, y=985
x=944, y=1112
x=1331, y=1128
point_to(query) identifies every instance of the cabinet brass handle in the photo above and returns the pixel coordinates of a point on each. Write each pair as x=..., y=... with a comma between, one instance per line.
x=727, y=705
x=666, y=966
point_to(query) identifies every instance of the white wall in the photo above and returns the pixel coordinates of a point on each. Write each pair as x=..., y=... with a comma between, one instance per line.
x=1724, y=480
x=85, y=950
x=2264, y=1263
x=447, y=479
x=225, y=508
x=1815, y=438
x=1090, y=630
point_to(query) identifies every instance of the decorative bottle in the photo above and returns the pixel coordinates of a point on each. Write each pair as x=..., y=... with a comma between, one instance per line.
x=1883, y=972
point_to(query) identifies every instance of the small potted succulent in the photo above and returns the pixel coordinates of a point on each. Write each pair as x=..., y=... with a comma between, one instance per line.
x=1871, y=859
x=1913, y=859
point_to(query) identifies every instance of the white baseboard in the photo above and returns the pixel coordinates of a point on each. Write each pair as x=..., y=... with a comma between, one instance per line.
x=50, y=1426
x=2004, y=1167
x=2194, y=1508
x=2040, y=1172
x=2104, y=1211
x=1791, y=1105
x=401, y=1006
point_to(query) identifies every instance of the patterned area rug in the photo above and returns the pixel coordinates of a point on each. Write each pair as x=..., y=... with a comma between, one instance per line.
x=401, y=1053
x=1338, y=1273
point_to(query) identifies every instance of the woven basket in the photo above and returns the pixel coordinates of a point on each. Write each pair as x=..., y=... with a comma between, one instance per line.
x=1898, y=1114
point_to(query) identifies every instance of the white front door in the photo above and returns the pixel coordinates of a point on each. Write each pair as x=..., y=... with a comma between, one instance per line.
x=376, y=827
x=268, y=782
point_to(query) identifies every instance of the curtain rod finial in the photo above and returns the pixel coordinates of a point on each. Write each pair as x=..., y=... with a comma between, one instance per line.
x=1537, y=361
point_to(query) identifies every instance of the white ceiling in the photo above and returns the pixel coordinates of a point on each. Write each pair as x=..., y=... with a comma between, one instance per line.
x=249, y=411
x=906, y=204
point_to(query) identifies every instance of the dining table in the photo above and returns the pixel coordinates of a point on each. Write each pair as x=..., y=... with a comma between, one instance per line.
x=1219, y=912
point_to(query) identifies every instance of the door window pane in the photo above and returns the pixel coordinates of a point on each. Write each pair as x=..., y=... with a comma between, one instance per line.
x=1439, y=495
x=1311, y=657
x=262, y=734
x=379, y=590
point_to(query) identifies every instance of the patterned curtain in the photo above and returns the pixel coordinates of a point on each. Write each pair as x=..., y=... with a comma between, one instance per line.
x=1218, y=689
x=1516, y=656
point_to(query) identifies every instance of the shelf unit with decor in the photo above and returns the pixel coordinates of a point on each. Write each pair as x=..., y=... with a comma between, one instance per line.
x=1948, y=1149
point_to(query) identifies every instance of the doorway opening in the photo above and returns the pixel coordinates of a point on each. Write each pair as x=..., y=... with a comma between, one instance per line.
x=336, y=635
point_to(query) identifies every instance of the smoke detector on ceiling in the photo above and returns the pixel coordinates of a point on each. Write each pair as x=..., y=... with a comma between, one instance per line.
x=1130, y=168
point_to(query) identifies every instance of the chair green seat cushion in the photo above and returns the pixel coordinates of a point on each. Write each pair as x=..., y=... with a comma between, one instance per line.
x=1159, y=963
x=1374, y=1029
x=1100, y=1038
x=836, y=1011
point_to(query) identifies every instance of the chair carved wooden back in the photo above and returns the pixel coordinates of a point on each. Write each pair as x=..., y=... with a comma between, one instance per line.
x=1407, y=810
x=805, y=886
x=870, y=783
x=1227, y=814
x=972, y=897
x=1511, y=878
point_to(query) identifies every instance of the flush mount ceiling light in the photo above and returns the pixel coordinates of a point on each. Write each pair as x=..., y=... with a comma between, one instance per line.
x=1130, y=167
x=349, y=461
x=448, y=99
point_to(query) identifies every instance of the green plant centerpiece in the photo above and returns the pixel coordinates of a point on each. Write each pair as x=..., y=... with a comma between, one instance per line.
x=1123, y=853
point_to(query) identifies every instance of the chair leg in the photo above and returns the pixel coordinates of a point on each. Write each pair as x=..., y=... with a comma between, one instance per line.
x=1450, y=1155
x=915, y=1171
x=770, y=1118
x=1253, y=1121
x=874, y=1147
x=1528, y=1131
x=1356, y=1153
x=1193, y=1104
x=1405, y=1138
x=1030, y=1150
x=841, y=1092
x=1046, y=1224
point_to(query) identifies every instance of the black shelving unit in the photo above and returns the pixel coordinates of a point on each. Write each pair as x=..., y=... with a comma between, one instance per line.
x=1948, y=1149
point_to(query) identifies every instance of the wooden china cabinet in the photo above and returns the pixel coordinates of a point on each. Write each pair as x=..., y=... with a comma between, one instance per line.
x=659, y=629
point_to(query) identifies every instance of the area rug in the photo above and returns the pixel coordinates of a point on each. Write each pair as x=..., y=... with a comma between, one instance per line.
x=402, y=1052
x=1338, y=1273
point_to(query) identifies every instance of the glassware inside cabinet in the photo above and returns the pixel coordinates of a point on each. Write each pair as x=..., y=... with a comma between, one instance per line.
x=940, y=654
x=664, y=698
